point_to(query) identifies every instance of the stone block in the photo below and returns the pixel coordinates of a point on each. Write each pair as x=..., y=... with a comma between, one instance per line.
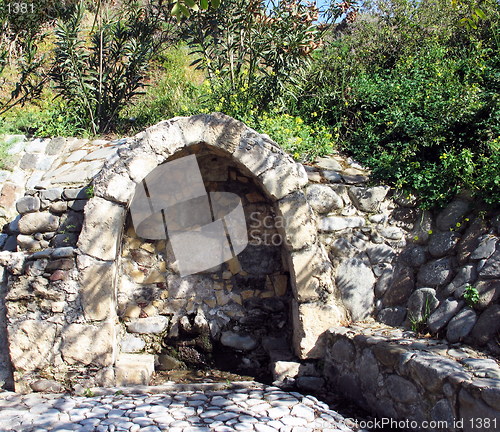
x=28, y=204
x=342, y=351
x=401, y=390
x=85, y=344
x=97, y=292
x=140, y=166
x=392, y=316
x=304, y=267
x=102, y=229
x=149, y=325
x=436, y=273
x=284, y=178
x=71, y=194
x=323, y=198
x=491, y=268
x=237, y=341
x=443, y=314
x=311, y=322
x=421, y=304
x=32, y=345
x=31, y=223
x=132, y=344
x=134, y=369
x=355, y=282
x=368, y=199
x=487, y=326
x=297, y=221
x=441, y=244
x=338, y=223
x=118, y=188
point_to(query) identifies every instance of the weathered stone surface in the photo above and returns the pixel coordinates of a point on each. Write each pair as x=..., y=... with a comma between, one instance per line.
x=422, y=303
x=423, y=225
x=53, y=194
x=485, y=248
x=443, y=314
x=392, y=233
x=101, y=229
x=461, y=325
x=442, y=411
x=491, y=395
x=452, y=214
x=472, y=409
x=470, y=240
x=31, y=223
x=119, y=188
x=297, y=220
x=309, y=383
x=323, y=198
x=392, y=316
x=381, y=253
x=167, y=362
x=304, y=268
x=431, y=370
x=284, y=178
x=389, y=354
x=134, y=369
x=368, y=199
x=342, y=351
x=355, y=281
x=149, y=325
x=97, y=291
x=401, y=287
x=436, y=273
x=28, y=243
x=337, y=223
x=47, y=386
x=328, y=163
x=342, y=248
x=310, y=323
x=489, y=292
x=491, y=269
x=132, y=344
x=441, y=244
x=413, y=256
x=465, y=275
x=75, y=194
x=401, y=390
x=238, y=341
x=88, y=344
x=332, y=176
x=63, y=252
x=28, y=204
x=368, y=370
x=487, y=326
x=32, y=345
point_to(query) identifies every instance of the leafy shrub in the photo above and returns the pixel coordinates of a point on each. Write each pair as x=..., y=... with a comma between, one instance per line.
x=102, y=75
x=414, y=98
x=175, y=93
x=304, y=142
x=254, y=52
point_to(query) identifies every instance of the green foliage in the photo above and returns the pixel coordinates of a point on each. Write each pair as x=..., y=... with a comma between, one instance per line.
x=173, y=95
x=254, y=53
x=418, y=324
x=102, y=75
x=415, y=98
x=303, y=141
x=471, y=295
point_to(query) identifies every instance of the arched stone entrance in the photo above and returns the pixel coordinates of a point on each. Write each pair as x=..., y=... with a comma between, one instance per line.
x=281, y=181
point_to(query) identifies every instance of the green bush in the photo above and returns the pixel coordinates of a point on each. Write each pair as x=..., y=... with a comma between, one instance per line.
x=175, y=93
x=303, y=141
x=415, y=98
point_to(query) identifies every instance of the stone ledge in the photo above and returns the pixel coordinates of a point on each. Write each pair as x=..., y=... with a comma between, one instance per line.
x=393, y=374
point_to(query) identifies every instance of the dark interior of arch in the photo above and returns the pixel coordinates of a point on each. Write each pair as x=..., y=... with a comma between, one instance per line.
x=235, y=316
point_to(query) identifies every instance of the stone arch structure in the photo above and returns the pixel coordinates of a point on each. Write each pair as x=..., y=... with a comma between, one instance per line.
x=314, y=305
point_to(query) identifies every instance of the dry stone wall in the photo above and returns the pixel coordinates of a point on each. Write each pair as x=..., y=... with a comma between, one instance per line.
x=88, y=302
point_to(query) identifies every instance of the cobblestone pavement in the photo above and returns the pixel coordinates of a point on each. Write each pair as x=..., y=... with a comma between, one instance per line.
x=253, y=407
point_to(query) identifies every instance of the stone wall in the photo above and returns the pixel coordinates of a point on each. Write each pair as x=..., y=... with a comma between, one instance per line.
x=424, y=383
x=87, y=301
x=407, y=267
